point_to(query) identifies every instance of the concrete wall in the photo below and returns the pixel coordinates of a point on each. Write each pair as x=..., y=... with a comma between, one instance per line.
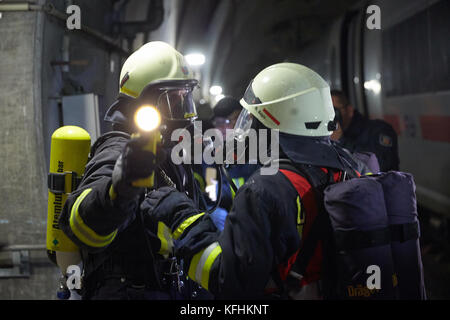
x=23, y=192
x=30, y=88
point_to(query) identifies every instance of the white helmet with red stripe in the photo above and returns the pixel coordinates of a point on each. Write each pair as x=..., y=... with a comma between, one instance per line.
x=289, y=97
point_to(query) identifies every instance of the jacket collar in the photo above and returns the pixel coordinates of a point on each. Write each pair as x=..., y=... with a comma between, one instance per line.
x=320, y=151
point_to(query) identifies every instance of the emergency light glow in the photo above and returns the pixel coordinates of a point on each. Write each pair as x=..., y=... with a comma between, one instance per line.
x=373, y=85
x=219, y=97
x=195, y=59
x=215, y=90
x=147, y=118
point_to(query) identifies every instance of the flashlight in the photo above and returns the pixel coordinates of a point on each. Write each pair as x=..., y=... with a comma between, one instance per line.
x=148, y=120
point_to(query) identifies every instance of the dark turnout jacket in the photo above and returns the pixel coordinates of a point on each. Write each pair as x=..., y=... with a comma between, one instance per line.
x=262, y=233
x=106, y=230
x=374, y=136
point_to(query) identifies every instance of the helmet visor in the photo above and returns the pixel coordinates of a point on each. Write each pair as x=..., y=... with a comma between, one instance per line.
x=249, y=95
x=176, y=103
x=243, y=125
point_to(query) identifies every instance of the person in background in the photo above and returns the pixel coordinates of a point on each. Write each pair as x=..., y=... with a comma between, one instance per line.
x=360, y=135
x=225, y=114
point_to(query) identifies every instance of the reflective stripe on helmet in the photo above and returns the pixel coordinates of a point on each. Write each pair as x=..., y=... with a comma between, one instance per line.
x=129, y=92
x=82, y=231
x=200, y=266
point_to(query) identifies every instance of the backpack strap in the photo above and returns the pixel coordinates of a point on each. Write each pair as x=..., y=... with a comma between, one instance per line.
x=318, y=180
x=319, y=230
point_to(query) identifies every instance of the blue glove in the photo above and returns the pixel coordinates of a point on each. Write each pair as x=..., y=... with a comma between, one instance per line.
x=218, y=217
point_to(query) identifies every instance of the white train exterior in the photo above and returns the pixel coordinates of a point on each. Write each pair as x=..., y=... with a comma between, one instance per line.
x=399, y=73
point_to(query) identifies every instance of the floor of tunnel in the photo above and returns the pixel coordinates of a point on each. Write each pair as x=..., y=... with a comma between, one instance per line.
x=436, y=265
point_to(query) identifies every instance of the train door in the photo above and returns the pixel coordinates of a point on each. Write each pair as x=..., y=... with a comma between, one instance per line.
x=352, y=59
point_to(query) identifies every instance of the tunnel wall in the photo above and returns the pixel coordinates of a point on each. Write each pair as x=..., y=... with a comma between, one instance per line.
x=31, y=88
x=23, y=191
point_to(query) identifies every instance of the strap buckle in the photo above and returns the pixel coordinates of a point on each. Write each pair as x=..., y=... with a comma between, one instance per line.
x=57, y=182
x=405, y=232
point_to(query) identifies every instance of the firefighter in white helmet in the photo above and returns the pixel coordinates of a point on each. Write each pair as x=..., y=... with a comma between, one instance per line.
x=272, y=214
x=125, y=255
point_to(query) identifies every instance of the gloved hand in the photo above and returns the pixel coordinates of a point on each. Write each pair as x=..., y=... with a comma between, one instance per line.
x=218, y=216
x=133, y=164
x=168, y=205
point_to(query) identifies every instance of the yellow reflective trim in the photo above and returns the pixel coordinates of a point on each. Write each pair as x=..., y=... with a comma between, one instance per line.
x=200, y=180
x=207, y=267
x=241, y=182
x=238, y=182
x=300, y=218
x=129, y=92
x=189, y=115
x=200, y=267
x=186, y=223
x=394, y=280
x=112, y=193
x=82, y=231
x=165, y=238
x=193, y=265
x=233, y=194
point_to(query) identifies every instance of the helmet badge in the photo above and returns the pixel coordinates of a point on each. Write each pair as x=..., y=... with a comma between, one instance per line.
x=185, y=70
x=124, y=79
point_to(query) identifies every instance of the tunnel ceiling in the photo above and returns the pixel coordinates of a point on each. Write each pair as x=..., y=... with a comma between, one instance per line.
x=255, y=34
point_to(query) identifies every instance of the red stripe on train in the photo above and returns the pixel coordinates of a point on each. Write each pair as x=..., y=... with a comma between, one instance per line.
x=394, y=121
x=435, y=128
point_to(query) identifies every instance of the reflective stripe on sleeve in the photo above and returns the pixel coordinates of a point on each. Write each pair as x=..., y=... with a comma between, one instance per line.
x=82, y=231
x=165, y=238
x=186, y=223
x=200, y=267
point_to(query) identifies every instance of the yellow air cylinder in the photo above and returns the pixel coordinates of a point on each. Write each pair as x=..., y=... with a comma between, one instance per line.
x=69, y=151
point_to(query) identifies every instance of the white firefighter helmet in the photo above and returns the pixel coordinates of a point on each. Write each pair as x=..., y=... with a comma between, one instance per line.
x=289, y=97
x=158, y=75
x=154, y=61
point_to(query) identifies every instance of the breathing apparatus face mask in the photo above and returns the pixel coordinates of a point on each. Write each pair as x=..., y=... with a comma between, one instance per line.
x=240, y=135
x=173, y=99
x=243, y=125
x=174, y=103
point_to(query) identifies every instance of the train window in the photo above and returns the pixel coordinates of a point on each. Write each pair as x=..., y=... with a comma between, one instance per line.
x=416, y=53
x=440, y=44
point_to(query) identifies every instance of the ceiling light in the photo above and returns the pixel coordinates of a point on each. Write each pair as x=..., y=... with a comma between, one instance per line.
x=195, y=59
x=215, y=90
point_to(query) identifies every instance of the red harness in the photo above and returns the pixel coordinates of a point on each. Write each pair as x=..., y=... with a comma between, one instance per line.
x=309, y=205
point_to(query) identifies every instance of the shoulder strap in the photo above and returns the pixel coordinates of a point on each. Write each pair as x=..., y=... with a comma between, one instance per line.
x=318, y=179
x=105, y=137
x=320, y=229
